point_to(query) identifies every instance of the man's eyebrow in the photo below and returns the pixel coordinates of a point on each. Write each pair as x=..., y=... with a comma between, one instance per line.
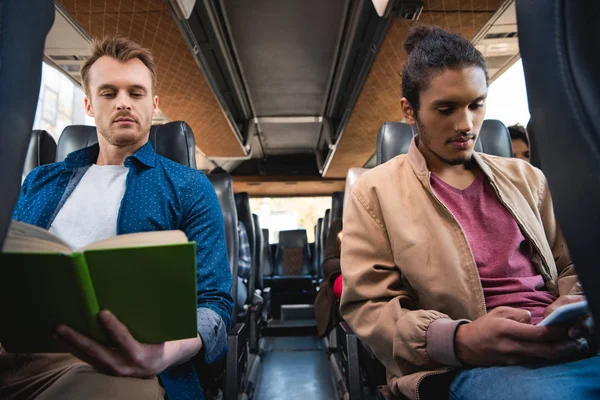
x=113, y=87
x=106, y=86
x=448, y=102
x=138, y=87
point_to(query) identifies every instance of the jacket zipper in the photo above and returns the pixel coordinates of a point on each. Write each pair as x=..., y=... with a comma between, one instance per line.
x=545, y=268
x=464, y=236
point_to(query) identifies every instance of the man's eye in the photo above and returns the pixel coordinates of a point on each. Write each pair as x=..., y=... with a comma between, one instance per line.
x=445, y=110
x=136, y=94
x=476, y=105
x=107, y=94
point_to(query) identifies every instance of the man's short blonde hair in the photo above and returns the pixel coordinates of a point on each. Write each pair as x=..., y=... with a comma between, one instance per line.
x=121, y=49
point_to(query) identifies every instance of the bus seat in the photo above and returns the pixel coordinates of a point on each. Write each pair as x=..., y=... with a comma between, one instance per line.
x=293, y=255
x=238, y=336
x=292, y=282
x=223, y=185
x=318, y=255
x=41, y=151
x=494, y=139
x=24, y=26
x=259, y=254
x=393, y=139
x=563, y=88
x=267, y=267
x=242, y=205
x=337, y=206
x=173, y=140
x=261, y=298
x=325, y=231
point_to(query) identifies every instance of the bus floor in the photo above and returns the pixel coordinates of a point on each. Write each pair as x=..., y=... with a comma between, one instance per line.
x=294, y=367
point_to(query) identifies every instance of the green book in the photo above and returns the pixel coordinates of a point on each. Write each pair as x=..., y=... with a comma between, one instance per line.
x=148, y=280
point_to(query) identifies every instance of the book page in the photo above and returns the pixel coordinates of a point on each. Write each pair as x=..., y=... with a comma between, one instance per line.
x=26, y=238
x=141, y=239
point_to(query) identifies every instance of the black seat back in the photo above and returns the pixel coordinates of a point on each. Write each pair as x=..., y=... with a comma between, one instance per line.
x=223, y=185
x=393, y=139
x=494, y=139
x=318, y=257
x=242, y=205
x=325, y=230
x=173, y=140
x=292, y=257
x=558, y=42
x=41, y=150
x=259, y=254
x=267, y=255
x=337, y=206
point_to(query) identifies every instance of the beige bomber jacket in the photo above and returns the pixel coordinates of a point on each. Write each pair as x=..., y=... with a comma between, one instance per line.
x=406, y=261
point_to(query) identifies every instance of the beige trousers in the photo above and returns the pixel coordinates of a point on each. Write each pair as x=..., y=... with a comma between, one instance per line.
x=63, y=376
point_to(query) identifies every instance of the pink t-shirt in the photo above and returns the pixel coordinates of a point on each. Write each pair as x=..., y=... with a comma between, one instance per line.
x=501, y=252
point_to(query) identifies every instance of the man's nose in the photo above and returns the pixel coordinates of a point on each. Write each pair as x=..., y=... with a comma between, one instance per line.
x=465, y=123
x=123, y=102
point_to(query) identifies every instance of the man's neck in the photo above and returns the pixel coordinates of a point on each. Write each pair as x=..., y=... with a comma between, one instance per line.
x=459, y=176
x=115, y=155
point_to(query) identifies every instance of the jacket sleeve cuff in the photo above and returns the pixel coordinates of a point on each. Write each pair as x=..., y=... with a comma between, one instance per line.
x=440, y=341
x=213, y=332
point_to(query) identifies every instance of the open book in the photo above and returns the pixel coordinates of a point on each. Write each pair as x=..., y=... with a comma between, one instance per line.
x=148, y=280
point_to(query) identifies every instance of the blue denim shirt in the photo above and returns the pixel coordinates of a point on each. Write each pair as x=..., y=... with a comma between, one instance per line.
x=160, y=194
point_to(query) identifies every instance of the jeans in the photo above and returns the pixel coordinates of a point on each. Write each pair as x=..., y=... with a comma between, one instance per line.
x=24, y=25
x=573, y=380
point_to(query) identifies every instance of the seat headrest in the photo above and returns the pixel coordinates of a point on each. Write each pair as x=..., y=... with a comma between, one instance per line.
x=293, y=239
x=41, y=150
x=173, y=140
x=494, y=139
x=351, y=178
x=337, y=205
x=393, y=139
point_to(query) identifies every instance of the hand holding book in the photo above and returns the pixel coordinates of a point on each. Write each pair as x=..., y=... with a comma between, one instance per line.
x=127, y=357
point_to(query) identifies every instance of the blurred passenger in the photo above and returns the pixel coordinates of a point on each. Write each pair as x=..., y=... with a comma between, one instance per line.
x=331, y=287
x=520, y=142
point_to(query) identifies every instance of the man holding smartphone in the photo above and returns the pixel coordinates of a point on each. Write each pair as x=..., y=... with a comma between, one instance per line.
x=451, y=257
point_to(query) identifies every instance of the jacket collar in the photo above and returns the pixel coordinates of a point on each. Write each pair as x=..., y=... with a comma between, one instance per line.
x=420, y=164
x=88, y=156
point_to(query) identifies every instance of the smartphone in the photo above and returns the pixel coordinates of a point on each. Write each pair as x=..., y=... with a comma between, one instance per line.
x=566, y=313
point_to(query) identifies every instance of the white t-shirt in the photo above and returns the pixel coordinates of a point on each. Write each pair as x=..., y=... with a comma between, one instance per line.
x=90, y=213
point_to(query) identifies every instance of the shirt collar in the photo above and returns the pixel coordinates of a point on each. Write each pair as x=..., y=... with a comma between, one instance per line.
x=88, y=156
x=420, y=164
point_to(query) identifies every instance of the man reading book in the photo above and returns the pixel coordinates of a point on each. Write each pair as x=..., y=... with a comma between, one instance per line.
x=119, y=186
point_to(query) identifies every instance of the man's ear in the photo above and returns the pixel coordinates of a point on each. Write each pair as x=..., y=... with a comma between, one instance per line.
x=155, y=106
x=89, y=110
x=407, y=110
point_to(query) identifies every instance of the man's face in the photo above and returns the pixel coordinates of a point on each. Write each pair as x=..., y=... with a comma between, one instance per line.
x=520, y=149
x=451, y=113
x=121, y=101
